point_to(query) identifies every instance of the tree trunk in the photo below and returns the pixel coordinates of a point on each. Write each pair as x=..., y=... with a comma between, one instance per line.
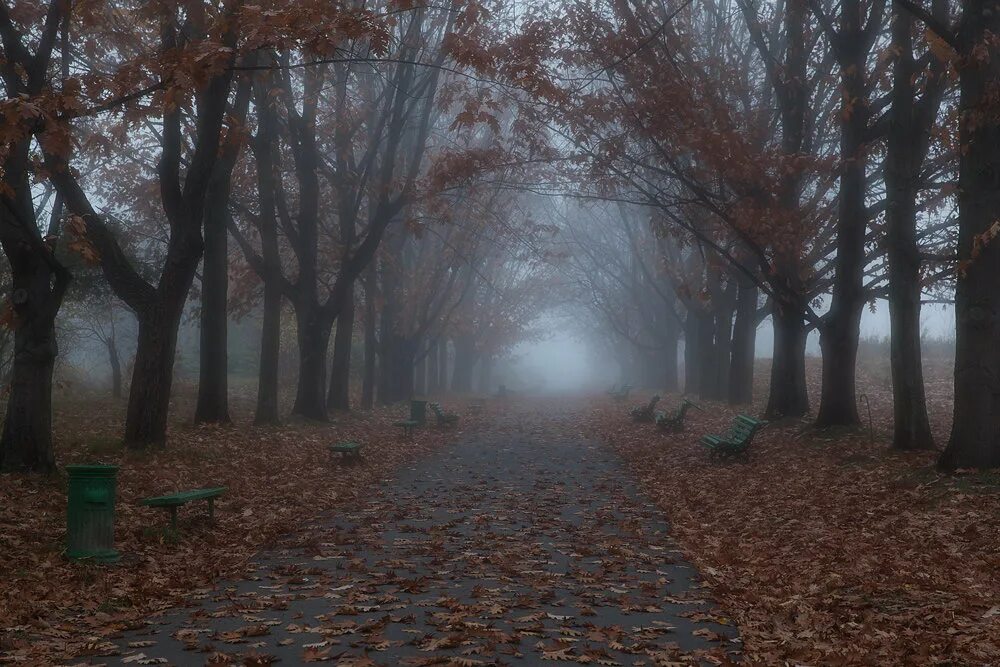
x=723, y=324
x=692, y=355
x=443, y=365
x=420, y=378
x=213, y=382
x=432, y=369
x=841, y=326
x=707, y=354
x=904, y=156
x=313, y=340
x=152, y=378
x=26, y=442
x=270, y=355
x=371, y=343
x=116, y=368
x=465, y=361
x=744, y=344
x=975, y=431
x=339, y=397
x=788, y=396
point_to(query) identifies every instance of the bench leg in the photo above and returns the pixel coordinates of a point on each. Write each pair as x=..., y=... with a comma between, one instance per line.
x=173, y=518
x=211, y=509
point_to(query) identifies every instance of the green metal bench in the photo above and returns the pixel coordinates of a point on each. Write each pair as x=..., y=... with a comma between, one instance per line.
x=737, y=440
x=349, y=451
x=644, y=413
x=172, y=501
x=674, y=423
x=408, y=426
x=443, y=418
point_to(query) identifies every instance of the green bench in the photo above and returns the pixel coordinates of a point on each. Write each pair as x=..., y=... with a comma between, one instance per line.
x=644, y=413
x=408, y=426
x=172, y=501
x=737, y=440
x=443, y=418
x=349, y=451
x=674, y=423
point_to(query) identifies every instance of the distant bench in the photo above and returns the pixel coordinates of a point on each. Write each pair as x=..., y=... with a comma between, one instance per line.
x=349, y=451
x=172, y=501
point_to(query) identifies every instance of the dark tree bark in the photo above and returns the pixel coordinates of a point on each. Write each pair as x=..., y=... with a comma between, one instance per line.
x=692, y=354
x=443, y=365
x=159, y=308
x=744, y=343
x=267, y=411
x=213, y=378
x=433, y=376
x=420, y=376
x=371, y=342
x=907, y=145
x=465, y=361
x=116, y=367
x=213, y=357
x=313, y=338
x=708, y=358
x=975, y=431
x=841, y=326
x=789, y=79
x=788, y=395
x=38, y=290
x=339, y=397
x=39, y=281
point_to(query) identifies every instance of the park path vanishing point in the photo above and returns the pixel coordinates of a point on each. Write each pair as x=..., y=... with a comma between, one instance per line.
x=524, y=542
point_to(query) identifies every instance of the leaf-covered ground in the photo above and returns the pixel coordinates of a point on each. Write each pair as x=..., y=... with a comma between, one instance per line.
x=826, y=547
x=522, y=543
x=277, y=479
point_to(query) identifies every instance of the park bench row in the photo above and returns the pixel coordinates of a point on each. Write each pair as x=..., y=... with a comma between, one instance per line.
x=347, y=451
x=734, y=442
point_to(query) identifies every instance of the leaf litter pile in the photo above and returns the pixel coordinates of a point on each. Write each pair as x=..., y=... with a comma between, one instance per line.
x=522, y=543
x=828, y=548
x=277, y=478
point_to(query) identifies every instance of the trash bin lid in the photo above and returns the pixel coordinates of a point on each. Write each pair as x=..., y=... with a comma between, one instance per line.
x=92, y=470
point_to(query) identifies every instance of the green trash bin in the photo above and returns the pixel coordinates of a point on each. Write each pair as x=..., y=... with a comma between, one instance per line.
x=418, y=411
x=90, y=513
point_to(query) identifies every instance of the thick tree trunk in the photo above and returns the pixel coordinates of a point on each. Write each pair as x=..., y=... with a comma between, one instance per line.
x=420, y=377
x=152, y=378
x=313, y=339
x=668, y=365
x=371, y=344
x=708, y=358
x=692, y=355
x=904, y=156
x=339, y=397
x=116, y=368
x=975, y=431
x=398, y=360
x=744, y=344
x=213, y=382
x=723, y=324
x=270, y=353
x=26, y=442
x=841, y=326
x=432, y=370
x=465, y=361
x=443, y=365
x=788, y=396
